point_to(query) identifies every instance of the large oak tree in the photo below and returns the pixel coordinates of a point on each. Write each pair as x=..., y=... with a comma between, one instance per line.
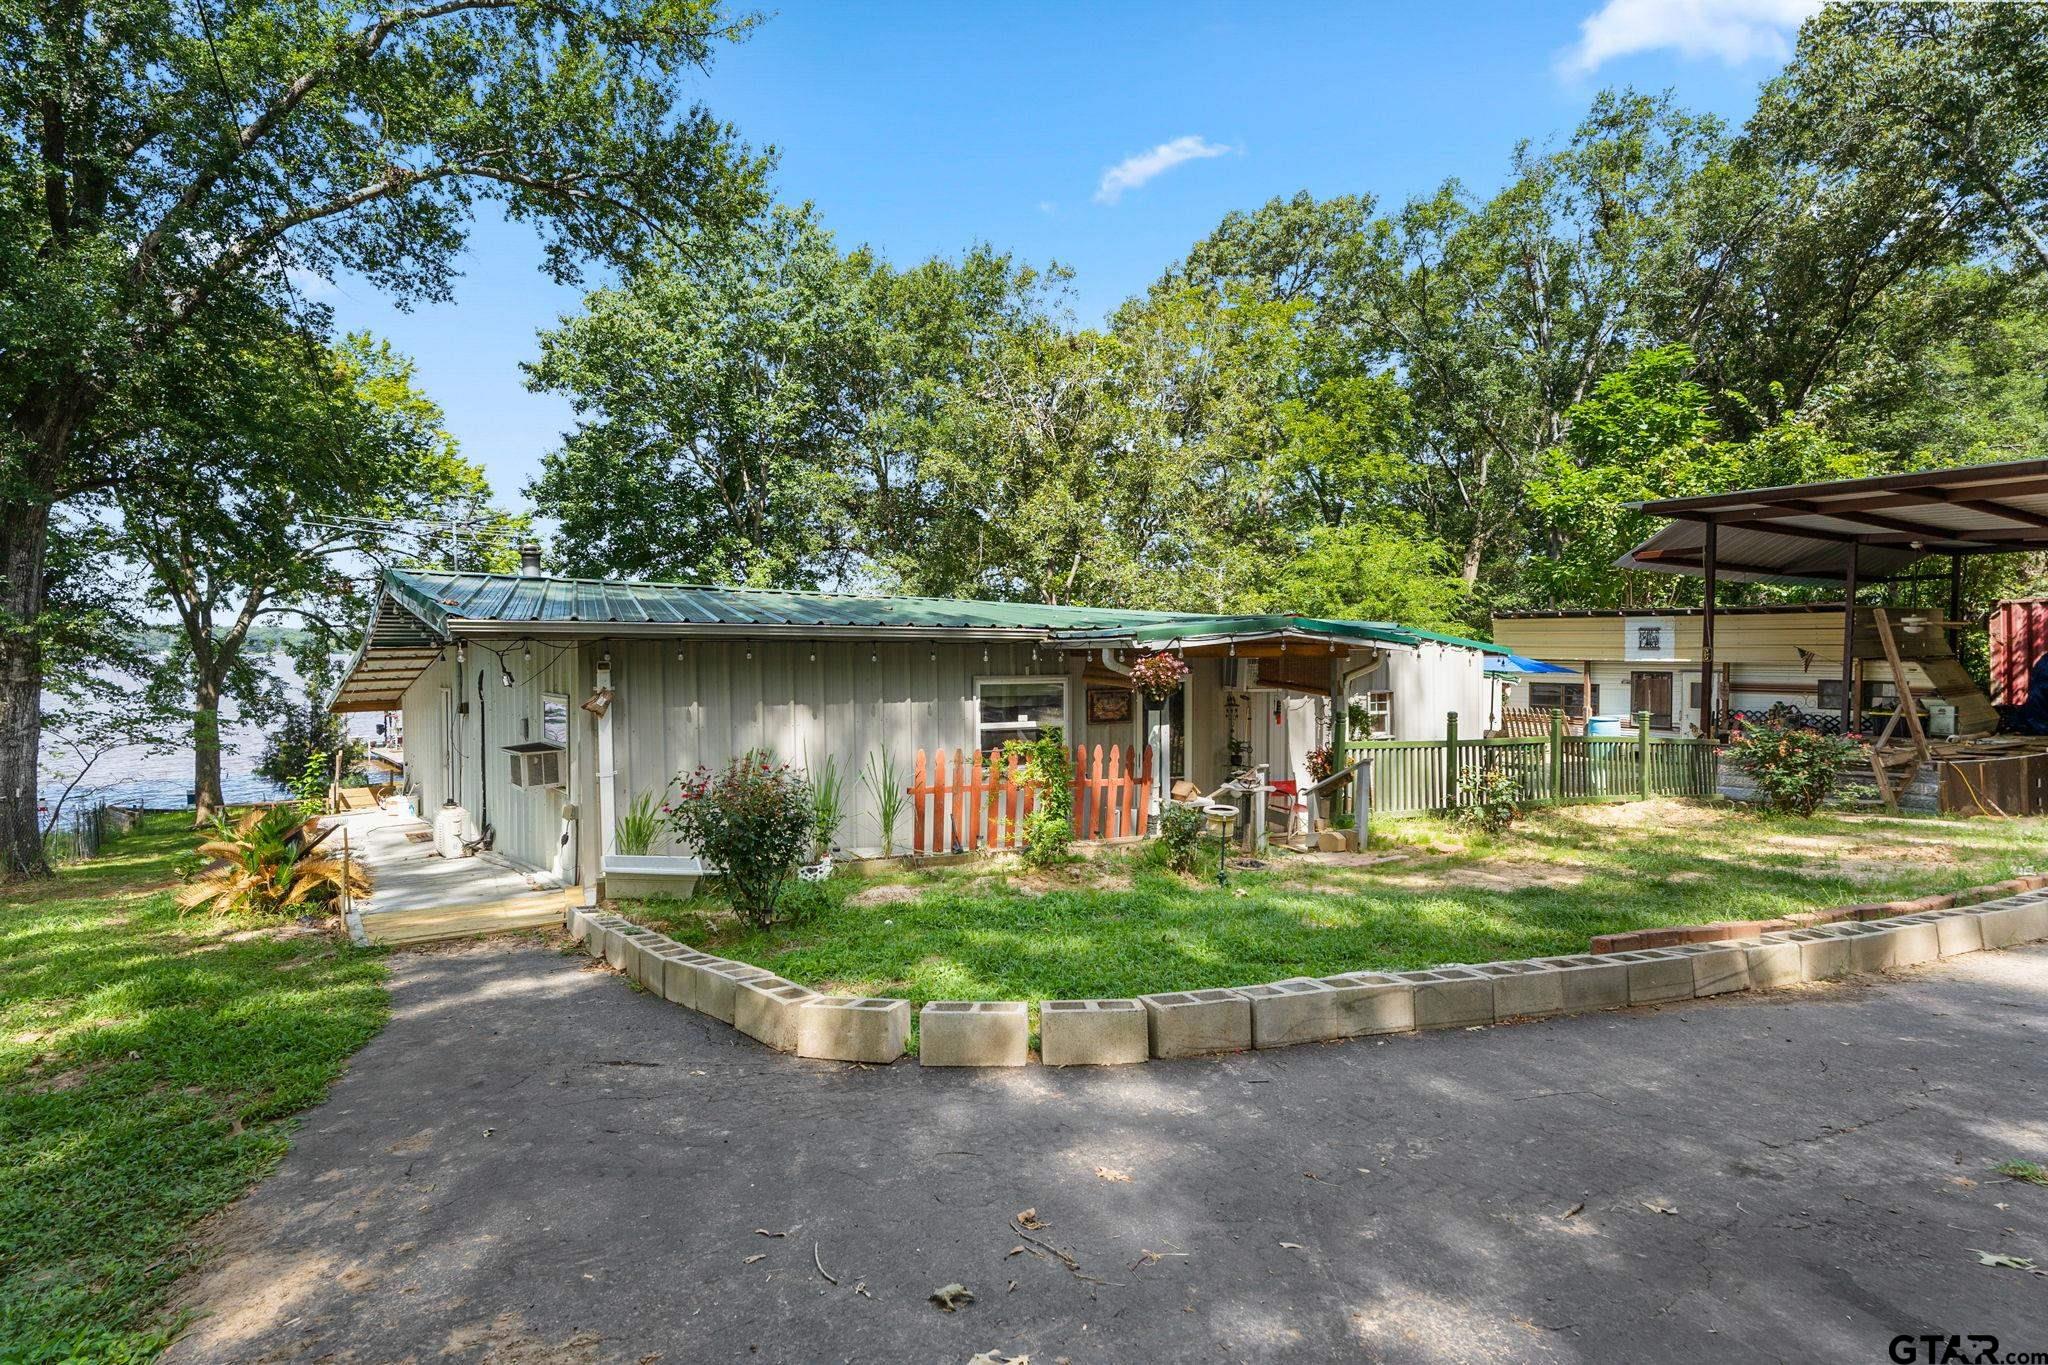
x=167, y=166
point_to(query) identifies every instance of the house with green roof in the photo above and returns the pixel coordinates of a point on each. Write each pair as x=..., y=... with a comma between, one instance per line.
x=536, y=708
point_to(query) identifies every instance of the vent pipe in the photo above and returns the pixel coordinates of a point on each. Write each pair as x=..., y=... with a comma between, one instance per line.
x=529, y=560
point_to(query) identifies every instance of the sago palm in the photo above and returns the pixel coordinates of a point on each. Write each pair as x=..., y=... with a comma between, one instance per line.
x=268, y=864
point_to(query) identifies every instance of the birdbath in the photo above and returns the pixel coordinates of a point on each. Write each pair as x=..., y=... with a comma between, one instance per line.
x=1224, y=814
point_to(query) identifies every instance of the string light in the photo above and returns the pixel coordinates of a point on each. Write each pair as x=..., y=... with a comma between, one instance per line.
x=504, y=674
x=527, y=652
x=461, y=652
x=874, y=657
x=814, y=651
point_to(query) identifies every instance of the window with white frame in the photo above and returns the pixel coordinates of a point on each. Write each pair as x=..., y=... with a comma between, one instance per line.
x=1379, y=714
x=1017, y=708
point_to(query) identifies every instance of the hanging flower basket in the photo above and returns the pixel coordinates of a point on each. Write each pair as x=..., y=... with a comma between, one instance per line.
x=1159, y=675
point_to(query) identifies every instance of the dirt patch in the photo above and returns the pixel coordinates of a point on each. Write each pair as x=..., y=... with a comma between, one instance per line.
x=56, y=1083
x=891, y=894
x=1504, y=874
x=1344, y=859
x=507, y=1340
x=1918, y=851
x=1032, y=885
x=1645, y=815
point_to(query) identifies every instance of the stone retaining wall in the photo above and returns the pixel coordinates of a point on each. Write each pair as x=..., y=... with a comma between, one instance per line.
x=1823, y=946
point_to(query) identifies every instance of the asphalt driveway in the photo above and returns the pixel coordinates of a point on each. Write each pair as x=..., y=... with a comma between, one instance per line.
x=536, y=1163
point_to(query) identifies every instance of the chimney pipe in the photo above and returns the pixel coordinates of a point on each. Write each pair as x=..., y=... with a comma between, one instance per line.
x=529, y=560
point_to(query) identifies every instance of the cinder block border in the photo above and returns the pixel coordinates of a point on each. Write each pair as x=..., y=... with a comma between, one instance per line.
x=1173, y=1024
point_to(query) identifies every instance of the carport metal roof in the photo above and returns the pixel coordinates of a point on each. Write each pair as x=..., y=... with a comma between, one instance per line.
x=1806, y=533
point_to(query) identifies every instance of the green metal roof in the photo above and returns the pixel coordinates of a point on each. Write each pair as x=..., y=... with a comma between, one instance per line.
x=1190, y=627
x=442, y=599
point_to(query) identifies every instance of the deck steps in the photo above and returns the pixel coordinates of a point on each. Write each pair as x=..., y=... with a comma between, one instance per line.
x=391, y=928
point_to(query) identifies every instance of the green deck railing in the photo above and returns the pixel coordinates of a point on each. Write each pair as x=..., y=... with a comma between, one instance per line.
x=1411, y=776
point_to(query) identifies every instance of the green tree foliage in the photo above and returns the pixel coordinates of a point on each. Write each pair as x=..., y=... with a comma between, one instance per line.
x=166, y=170
x=711, y=399
x=267, y=495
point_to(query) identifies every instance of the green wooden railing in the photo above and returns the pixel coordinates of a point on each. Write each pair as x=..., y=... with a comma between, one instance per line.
x=1418, y=775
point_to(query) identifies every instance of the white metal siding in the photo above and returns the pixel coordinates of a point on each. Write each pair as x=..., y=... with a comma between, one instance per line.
x=704, y=702
x=528, y=821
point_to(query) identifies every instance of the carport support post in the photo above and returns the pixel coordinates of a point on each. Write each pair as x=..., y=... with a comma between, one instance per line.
x=1338, y=715
x=1556, y=755
x=1955, y=602
x=1709, y=716
x=1849, y=637
x=1643, y=753
x=1451, y=761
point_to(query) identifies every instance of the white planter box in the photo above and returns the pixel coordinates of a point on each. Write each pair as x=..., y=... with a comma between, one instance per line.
x=629, y=876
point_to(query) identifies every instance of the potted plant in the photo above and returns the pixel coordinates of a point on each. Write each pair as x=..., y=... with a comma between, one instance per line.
x=1159, y=674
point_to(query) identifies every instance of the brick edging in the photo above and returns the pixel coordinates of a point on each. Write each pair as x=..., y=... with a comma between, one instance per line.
x=1673, y=935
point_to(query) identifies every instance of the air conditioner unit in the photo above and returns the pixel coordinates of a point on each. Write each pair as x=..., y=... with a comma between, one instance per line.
x=536, y=764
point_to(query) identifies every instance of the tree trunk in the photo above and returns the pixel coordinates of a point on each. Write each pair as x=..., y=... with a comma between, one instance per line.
x=24, y=540
x=207, y=801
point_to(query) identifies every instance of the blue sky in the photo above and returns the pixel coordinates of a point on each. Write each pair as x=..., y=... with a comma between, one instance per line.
x=921, y=128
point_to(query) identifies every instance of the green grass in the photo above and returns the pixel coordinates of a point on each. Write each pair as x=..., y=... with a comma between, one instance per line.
x=149, y=1069
x=1120, y=926
x=2032, y=1172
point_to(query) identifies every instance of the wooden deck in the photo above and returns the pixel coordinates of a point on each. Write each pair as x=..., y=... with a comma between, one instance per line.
x=419, y=897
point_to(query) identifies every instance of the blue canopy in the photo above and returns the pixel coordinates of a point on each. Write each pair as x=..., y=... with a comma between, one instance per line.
x=1515, y=665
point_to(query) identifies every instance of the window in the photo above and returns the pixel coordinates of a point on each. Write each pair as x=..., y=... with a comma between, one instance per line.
x=1017, y=708
x=554, y=718
x=1565, y=697
x=1877, y=695
x=1379, y=714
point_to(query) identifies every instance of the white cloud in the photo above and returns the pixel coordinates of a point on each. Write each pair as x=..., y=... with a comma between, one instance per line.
x=1134, y=171
x=1736, y=31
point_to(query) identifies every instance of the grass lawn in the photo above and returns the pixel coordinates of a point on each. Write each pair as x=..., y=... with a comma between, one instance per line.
x=1120, y=926
x=149, y=1069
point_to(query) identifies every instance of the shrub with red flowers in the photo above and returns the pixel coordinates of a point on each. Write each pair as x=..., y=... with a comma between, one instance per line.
x=1159, y=675
x=1795, y=768
x=751, y=822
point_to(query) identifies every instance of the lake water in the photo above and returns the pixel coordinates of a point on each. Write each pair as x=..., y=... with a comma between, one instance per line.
x=136, y=777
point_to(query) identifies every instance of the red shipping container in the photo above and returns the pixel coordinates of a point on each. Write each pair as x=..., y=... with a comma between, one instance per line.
x=2019, y=635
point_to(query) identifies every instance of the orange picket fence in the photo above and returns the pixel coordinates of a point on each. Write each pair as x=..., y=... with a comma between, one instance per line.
x=979, y=799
